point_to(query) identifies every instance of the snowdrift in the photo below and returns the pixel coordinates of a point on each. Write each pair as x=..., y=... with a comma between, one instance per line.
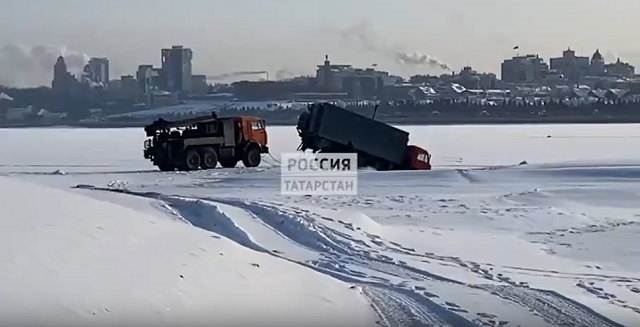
x=71, y=260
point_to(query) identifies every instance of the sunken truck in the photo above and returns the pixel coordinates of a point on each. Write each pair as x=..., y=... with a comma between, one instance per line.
x=204, y=142
x=324, y=127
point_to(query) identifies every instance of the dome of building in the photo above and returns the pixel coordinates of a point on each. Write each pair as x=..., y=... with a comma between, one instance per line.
x=597, y=56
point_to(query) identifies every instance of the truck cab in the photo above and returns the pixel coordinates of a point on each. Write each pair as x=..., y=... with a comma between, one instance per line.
x=418, y=158
x=254, y=130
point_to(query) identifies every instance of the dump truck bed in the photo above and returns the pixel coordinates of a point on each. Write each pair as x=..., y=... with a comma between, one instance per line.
x=365, y=134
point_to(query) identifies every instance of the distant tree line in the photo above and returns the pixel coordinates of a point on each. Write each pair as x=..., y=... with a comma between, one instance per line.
x=468, y=108
x=76, y=104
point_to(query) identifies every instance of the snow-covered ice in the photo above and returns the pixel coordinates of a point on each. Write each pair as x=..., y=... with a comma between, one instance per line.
x=95, y=234
x=69, y=260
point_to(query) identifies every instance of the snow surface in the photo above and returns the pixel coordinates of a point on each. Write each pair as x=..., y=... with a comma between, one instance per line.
x=71, y=260
x=479, y=241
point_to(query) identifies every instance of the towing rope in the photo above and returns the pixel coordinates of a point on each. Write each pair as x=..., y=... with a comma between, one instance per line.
x=274, y=159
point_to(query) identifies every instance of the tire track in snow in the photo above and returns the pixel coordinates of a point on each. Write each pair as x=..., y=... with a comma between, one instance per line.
x=553, y=307
x=305, y=231
x=301, y=231
x=398, y=310
x=209, y=217
x=398, y=305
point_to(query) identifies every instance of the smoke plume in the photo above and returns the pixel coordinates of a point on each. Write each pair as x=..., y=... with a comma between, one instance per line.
x=419, y=59
x=284, y=74
x=281, y=74
x=31, y=66
x=363, y=37
x=236, y=74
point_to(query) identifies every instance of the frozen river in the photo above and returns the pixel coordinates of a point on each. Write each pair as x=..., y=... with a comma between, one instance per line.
x=478, y=241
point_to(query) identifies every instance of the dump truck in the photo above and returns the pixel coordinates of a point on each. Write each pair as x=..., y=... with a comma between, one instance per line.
x=206, y=141
x=325, y=127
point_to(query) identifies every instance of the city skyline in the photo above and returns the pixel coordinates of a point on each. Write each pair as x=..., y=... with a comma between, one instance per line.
x=252, y=35
x=97, y=69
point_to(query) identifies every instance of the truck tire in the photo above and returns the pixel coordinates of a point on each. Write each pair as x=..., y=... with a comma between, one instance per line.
x=228, y=162
x=252, y=157
x=192, y=160
x=209, y=158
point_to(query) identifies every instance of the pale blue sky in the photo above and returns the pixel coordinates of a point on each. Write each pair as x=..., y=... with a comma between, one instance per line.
x=229, y=35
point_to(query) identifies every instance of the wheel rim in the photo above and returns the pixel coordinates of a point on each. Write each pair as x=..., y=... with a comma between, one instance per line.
x=210, y=160
x=193, y=161
x=253, y=158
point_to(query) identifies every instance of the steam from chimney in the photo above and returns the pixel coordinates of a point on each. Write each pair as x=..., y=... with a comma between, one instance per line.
x=419, y=59
x=237, y=74
x=284, y=74
x=362, y=35
x=32, y=66
x=281, y=74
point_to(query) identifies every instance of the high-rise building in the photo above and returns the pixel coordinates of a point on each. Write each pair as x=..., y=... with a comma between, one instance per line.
x=100, y=70
x=176, y=69
x=62, y=79
x=571, y=66
x=144, y=76
x=524, y=69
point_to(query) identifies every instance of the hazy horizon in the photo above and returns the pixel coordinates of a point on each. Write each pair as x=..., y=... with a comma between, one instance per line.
x=292, y=37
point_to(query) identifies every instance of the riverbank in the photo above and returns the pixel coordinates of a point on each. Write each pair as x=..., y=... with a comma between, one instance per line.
x=400, y=121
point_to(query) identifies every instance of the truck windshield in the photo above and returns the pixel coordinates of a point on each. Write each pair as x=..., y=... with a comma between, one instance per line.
x=257, y=125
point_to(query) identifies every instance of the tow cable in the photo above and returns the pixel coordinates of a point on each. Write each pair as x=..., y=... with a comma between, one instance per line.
x=274, y=159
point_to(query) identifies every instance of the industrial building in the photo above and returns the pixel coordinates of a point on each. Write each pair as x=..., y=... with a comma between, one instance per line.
x=358, y=83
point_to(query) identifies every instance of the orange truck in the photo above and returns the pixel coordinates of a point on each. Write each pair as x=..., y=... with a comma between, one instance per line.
x=204, y=142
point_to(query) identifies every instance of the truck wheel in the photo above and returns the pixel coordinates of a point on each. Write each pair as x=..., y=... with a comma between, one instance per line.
x=228, y=162
x=252, y=157
x=192, y=160
x=209, y=158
